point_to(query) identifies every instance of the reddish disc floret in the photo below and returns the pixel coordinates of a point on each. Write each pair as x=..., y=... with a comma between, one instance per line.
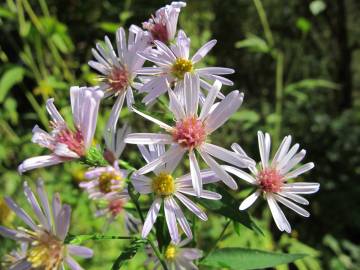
x=270, y=180
x=118, y=79
x=189, y=133
x=73, y=140
x=116, y=206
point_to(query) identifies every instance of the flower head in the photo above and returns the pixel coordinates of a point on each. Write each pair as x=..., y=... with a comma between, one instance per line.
x=163, y=25
x=172, y=66
x=117, y=69
x=169, y=190
x=191, y=130
x=46, y=234
x=177, y=256
x=271, y=179
x=64, y=142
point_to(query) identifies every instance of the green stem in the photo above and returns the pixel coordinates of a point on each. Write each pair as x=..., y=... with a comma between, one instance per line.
x=279, y=95
x=154, y=247
x=264, y=22
x=126, y=165
x=217, y=240
x=38, y=109
x=78, y=239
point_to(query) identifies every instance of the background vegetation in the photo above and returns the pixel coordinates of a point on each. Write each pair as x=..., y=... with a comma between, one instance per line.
x=297, y=62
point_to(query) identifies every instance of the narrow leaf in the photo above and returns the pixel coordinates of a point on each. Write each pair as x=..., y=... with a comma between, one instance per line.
x=128, y=253
x=242, y=259
x=11, y=77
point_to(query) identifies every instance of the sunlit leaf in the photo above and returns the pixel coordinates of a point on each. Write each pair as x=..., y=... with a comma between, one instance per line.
x=128, y=253
x=242, y=259
x=303, y=24
x=253, y=43
x=11, y=77
x=310, y=84
x=5, y=13
x=316, y=7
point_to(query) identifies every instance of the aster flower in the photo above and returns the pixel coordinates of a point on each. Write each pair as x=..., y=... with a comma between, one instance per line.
x=271, y=179
x=163, y=25
x=118, y=69
x=178, y=257
x=15, y=257
x=46, y=234
x=191, y=131
x=65, y=143
x=173, y=63
x=168, y=190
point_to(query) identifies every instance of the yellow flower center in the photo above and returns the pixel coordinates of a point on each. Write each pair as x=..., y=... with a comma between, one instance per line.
x=170, y=252
x=46, y=252
x=180, y=67
x=105, y=181
x=163, y=184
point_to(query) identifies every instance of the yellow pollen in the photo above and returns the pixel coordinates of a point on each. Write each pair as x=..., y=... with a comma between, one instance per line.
x=46, y=252
x=6, y=215
x=105, y=181
x=163, y=184
x=180, y=67
x=170, y=252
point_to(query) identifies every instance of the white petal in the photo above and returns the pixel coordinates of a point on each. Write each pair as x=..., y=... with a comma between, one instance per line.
x=249, y=200
x=263, y=150
x=302, y=169
x=292, y=205
x=206, y=194
x=283, y=162
x=171, y=220
x=151, y=217
x=115, y=113
x=20, y=212
x=175, y=106
x=62, y=150
x=301, y=188
x=292, y=162
x=184, y=224
x=224, y=110
x=54, y=113
x=281, y=222
x=227, y=156
x=209, y=101
x=215, y=70
x=200, y=54
x=39, y=162
x=192, y=88
x=152, y=119
x=80, y=251
x=294, y=197
x=191, y=206
x=240, y=173
x=282, y=150
x=195, y=174
x=148, y=138
x=221, y=173
x=172, y=153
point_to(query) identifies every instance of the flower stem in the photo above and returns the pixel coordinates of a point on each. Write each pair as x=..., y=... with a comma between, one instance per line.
x=78, y=239
x=217, y=240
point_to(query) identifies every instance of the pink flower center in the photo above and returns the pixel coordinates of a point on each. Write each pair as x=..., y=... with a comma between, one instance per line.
x=189, y=133
x=157, y=28
x=118, y=79
x=73, y=140
x=270, y=180
x=116, y=206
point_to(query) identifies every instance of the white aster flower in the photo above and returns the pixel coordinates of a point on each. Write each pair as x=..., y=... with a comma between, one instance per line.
x=191, y=131
x=178, y=257
x=46, y=234
x=117, y=69
x=15, y=258
x=272, y=176
x=65, y=143
x=167, y=190
x=173, y=63
x=163, y=25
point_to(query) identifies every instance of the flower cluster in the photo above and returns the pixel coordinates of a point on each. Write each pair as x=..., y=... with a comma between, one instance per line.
x=198, y=108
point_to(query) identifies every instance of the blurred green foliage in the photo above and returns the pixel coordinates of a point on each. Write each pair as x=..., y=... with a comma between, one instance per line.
x=297, y=61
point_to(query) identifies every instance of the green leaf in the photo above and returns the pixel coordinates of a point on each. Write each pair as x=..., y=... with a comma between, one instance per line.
x=248, y=118
x=310, y=84
x=128, y=253
x=242, y=259
x=109, y=27
x=303, y=24
x=5, y=13
x=316, y=7
x=11, y=77
x=228, y=207
x=253, y=43
x=94, y=158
